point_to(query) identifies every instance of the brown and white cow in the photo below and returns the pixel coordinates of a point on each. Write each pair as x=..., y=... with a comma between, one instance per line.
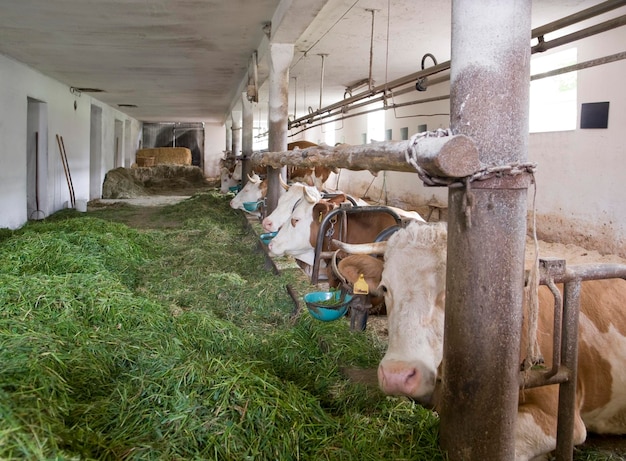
x=413, y=280
x=299, y=237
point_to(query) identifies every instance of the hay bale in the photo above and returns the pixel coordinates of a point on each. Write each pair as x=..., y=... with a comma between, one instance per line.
x=164, y=155
x=121, y=183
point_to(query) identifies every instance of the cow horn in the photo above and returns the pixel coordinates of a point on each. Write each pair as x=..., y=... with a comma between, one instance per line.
x=377, y=248
x=254, y=179
x=283, y=183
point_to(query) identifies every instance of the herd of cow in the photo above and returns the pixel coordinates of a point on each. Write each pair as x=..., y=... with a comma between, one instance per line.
x=408, y=271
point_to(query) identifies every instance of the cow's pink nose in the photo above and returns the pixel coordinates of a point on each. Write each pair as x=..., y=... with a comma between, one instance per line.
x=399, y=378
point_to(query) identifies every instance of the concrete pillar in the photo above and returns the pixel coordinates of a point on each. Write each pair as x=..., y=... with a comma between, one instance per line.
x=229, y=136
x=486, y=231
x=247, y=125
x=236, y=132
x=281, y=55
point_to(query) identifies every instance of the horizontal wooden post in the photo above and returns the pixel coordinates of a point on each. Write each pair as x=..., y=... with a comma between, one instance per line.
x=447, y=156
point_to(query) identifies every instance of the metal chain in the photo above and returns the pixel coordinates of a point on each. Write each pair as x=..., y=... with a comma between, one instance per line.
x=512, y=169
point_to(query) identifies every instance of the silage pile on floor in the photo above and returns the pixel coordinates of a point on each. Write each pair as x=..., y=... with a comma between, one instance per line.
x=177, y=344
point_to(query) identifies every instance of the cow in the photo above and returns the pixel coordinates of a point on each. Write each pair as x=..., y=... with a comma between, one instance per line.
x=230, y=174
x=286, y=203
x=299, y=237
x=413, y=280
x=254, y=191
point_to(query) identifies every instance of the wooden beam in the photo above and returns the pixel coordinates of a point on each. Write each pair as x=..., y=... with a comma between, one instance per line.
x=448, y=156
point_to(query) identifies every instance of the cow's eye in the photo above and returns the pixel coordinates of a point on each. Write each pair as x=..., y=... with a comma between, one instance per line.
x=294, y=221
x=383, y=288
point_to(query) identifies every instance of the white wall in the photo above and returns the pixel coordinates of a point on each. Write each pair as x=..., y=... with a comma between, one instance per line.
x=580, y=173
x=19, y=83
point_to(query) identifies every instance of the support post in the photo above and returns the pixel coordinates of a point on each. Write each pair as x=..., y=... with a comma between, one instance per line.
x=229, y=137
x=486, y=231
x=236, y=130
x=247, y=122
x=281, y=55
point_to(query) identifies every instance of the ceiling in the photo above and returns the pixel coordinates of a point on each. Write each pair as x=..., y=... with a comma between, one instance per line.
x=188, y=60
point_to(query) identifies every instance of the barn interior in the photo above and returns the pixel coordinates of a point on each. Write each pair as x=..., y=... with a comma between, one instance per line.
x=88, y=84
x=107, y=76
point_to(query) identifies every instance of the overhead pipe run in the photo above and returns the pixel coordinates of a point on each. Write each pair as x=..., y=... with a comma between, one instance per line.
x=418, y=78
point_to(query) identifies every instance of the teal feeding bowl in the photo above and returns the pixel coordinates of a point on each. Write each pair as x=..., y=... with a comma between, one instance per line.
x=266, y=237
x=327, y=305
x=234, y=189
x=251, y=206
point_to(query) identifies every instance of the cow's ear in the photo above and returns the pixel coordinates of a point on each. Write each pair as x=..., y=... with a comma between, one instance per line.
x=320, y=210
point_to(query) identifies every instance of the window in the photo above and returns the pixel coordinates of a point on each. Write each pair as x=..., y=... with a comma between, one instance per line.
x=404, y=133
x=329, y=133
x=376, y=125
x=553, y=99
x=388, y=134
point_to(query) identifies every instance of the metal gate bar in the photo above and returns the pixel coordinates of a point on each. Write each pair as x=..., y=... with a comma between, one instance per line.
x=565, y=360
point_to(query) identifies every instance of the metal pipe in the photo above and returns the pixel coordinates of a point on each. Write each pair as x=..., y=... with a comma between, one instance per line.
x=567, y=389
x=369, y=80
x=581, y=65
x=377, y=89
x=319, y=243
x=584, y=33
x=323, y=56
x=483, y=320
x=411, y=78
x=577, y=17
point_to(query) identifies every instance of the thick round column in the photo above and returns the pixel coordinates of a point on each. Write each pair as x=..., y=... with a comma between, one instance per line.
x=486, y=231
x=281, y=55
x=247, y=121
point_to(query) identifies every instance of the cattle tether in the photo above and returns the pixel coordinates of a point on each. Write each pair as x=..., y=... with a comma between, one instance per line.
x=413, y=280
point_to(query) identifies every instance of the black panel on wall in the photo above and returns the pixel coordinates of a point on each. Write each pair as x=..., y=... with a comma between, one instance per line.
x=594, y=115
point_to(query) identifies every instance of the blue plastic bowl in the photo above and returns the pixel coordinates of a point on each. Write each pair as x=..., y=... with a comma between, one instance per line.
x=326, y=312
x=234, y=189
x=266, y=237
x=251, y=206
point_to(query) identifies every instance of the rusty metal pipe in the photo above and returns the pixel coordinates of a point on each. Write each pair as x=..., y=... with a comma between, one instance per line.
x=567, y=389
x=556, y=329
x=584, y=33
x=588, y=13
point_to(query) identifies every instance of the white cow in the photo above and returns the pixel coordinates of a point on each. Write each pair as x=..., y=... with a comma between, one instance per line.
x=414, y=282
x=254, y=191
x=287, y=202
x=292, y=239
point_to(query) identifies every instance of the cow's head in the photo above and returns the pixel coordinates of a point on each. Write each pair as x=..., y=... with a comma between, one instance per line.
x=293, y=238
x=254, y=190
x=286, y=204
x=413, y=282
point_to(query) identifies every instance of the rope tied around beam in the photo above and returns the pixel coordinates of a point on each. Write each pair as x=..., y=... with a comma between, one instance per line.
x=512, y=169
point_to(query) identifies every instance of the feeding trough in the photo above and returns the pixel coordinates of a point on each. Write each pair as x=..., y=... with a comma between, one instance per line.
x=267, y=236
x=251, y=206
x=327, y=305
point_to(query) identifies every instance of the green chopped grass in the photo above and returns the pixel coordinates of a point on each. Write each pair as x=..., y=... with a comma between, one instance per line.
x=170, y=340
